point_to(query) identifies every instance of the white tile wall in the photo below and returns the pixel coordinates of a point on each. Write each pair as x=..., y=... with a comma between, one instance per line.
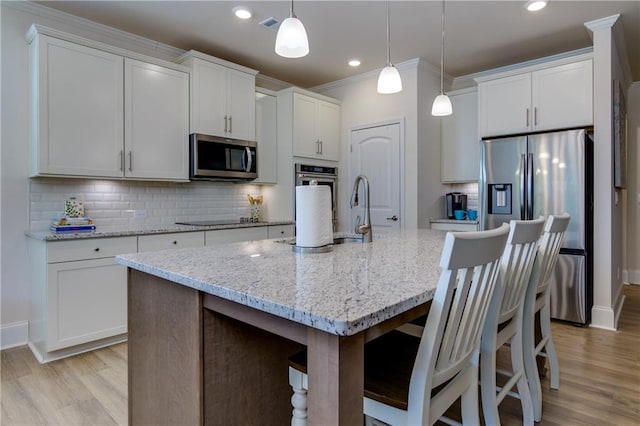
x=112, y=203
x=471, y=189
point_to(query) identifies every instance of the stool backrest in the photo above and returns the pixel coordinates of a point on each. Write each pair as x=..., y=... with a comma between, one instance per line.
x=548, y=250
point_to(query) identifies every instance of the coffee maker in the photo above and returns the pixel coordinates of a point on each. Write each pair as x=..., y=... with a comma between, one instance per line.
x=455, y=201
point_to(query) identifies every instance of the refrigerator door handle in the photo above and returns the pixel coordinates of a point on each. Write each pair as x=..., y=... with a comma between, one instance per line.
x=530, y=173
x=523, y=174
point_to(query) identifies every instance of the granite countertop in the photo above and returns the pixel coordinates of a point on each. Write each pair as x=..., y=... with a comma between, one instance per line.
x=343, y=292
x=105, y=231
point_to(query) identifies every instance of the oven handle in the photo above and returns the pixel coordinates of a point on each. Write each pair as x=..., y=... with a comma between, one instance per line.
x=249, y=159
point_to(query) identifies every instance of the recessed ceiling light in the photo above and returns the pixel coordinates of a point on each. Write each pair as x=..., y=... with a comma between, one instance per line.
x=533, y=5
x=354, y=63
x=242, y=12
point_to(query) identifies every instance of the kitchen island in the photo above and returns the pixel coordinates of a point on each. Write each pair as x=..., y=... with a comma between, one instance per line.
x=211, y=329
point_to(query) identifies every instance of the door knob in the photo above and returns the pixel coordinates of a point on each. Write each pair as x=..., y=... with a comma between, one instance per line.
x=393, y=218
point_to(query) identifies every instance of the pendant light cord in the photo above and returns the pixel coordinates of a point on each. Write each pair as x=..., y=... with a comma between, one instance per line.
x=388, y=38
x=291, y=14
x=442, y=53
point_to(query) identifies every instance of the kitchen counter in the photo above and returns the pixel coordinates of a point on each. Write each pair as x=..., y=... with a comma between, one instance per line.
x=342, y=292
x=106, y=231
x=211, y=329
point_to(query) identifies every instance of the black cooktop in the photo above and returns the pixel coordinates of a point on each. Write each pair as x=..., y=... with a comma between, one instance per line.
x=210, y=222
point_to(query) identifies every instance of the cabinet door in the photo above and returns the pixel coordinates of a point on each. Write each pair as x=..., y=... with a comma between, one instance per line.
x=305, y=127
x=329, y=130
x=241, y=105
x=460, y=142
x=86, y=300
x=282, y=231
x=156, y=122
x=79, y=103
x=563, y=96
x=209, y=92
x=505, y=105
x=267, y=138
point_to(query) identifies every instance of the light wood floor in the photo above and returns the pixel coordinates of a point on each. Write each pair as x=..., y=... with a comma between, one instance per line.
x=599, y=381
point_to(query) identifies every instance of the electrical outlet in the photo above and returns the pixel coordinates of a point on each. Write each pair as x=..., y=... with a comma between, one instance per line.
x=139, y=214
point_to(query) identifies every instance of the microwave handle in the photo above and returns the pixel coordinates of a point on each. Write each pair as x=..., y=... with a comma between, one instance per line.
x=249, y=159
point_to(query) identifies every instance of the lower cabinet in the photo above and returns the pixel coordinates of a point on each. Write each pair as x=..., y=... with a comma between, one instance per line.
x=462, y=225
x=282, y=231
x=236, y=235
x=78, y=295
x=170, y=241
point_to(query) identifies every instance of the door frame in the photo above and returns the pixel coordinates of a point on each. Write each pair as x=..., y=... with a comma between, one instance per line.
x=352, y=175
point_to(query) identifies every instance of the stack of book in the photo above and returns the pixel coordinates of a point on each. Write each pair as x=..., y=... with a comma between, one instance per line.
x=73, y=224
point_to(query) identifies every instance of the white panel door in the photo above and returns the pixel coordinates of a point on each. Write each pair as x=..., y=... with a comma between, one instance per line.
x=505, y=105
x=86, y=301
x=329, y=130
x=375, y=153
x=209, y=94
x=80, y=124
x=241, y=105
x=156, y=122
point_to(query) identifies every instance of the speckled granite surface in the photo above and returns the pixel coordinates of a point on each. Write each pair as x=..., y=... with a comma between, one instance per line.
x=345, y=291
x=104, y=232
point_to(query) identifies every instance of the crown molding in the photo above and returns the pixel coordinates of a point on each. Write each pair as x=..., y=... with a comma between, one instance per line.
x=271, y=83
x=602, y=23
x=84, y=24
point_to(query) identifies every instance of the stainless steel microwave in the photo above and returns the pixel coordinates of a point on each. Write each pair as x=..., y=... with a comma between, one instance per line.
x=218, y=158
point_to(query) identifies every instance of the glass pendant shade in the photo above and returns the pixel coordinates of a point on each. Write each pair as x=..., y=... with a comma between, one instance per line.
x=291, y=41
x=441, y=106
x=389, y=80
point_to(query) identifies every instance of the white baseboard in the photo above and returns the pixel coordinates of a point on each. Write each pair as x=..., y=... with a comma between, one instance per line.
x=603, y=317
x=633, y=276
x=14, y=334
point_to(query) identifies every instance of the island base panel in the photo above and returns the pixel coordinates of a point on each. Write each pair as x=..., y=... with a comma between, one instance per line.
x=246, y=376
x=165, y=352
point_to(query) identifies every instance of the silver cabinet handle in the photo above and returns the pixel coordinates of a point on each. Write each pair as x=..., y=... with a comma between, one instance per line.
x=121, y=160
x=393, y=218
x=527, y=117
x=130, y=161
x=231, y=124
x=535, y=116
x=321, y=147
x=225, y=124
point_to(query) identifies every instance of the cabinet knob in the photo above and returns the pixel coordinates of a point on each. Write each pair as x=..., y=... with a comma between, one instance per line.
x=96, y=249
x=175, y=242
x=282, y=232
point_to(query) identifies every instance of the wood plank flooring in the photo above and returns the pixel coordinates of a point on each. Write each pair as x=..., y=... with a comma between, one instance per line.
x=599, y=381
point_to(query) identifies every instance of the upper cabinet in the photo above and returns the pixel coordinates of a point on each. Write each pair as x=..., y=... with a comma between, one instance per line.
x=314, y=125
x=98, y=113
x=550, y=98
x=267, y=136
x=460, y=141
x=222, y=97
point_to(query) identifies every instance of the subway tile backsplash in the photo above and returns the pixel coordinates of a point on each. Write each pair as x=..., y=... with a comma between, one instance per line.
x=113, y=203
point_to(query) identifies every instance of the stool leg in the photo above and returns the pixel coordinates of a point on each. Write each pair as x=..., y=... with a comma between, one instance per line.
x=550, y=349
x=488, y=386
x=517, y=365
x=298, y=399
x=470, y=408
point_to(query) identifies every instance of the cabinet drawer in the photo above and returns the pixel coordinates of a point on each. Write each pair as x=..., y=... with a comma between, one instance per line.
x=169, y=241
x=235, y=235
x=94, y=248
x=281, y=231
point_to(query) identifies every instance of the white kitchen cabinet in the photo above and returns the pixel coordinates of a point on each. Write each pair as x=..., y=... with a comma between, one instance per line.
x=281, y=231
x=457, y=226
x=222, y=97
x=552, y=97
x=78, y=295
x=156, y=242
x=100, y=111
x=236, y=235
x=460, y=144
x=156, y=121
x=77, y=124
x=312, y=124
x=267, y=136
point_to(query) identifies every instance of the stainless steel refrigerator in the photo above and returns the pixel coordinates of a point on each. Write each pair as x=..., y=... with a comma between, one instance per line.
x=527, y=176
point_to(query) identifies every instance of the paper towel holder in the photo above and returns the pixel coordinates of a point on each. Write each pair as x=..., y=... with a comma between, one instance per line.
x=305, y=250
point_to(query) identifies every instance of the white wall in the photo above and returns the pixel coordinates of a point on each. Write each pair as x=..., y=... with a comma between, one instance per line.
x=23, y=199
x=362, y=105
x=633, y=184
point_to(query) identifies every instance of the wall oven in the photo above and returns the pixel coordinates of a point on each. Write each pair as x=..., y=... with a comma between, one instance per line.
x=217, y=158
x=305, y=173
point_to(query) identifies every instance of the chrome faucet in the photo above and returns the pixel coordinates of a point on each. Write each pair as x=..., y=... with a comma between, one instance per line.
x=362, y=228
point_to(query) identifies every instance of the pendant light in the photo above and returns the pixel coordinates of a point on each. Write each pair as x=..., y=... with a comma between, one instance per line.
x=291, y=41
x=389, y=80
x=442, y=103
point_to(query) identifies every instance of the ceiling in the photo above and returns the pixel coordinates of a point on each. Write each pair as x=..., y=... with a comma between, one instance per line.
x=480, y=35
